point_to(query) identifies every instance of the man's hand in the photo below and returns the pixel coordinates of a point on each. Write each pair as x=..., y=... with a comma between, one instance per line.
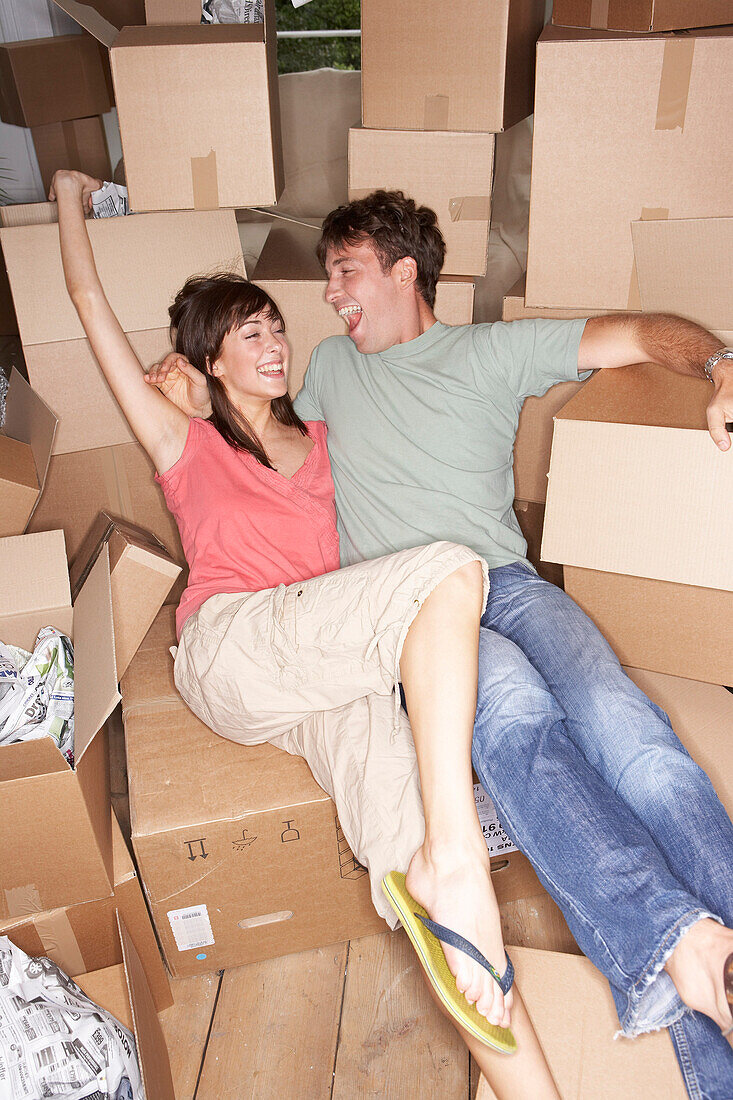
x=720, y=409
x=182, y=384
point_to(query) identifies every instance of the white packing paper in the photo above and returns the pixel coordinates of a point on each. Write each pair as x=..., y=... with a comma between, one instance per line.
x=110, y=201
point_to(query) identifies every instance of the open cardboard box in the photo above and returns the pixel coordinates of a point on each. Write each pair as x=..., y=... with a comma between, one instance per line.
x=26, y=442
x=55, y=820
x=143, y=260
x=449, y=172
x=84, y=937
x=622, y=124
x=468, y=65
x=207, y=154
x=638, y=514
x=290, y=273
x=142, y=574
x=124, y=991
x=640, y=15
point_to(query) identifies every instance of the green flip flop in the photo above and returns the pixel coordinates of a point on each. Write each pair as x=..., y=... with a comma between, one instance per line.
x=422, y=933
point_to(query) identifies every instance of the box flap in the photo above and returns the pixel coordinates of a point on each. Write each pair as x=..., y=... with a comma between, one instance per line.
x=17, y=470
x=29, y=419
x=26, y=759
x=187, y=35
x=643, y=394
x=151, y=1047
x=95, y=673
x=90, y=20
x=34, y=576
x=686, y=266
x=89, y=551
x=143, y=260
x=29, y=213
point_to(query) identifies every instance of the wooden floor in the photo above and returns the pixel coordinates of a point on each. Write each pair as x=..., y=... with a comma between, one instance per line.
x=337, y=1023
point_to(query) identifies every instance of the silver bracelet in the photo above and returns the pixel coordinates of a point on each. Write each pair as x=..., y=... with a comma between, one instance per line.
x=721, y=353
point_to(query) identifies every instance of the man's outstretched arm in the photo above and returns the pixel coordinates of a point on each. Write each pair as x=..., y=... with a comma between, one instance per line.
x=621, y=339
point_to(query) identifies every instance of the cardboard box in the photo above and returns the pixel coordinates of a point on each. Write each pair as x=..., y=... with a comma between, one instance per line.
x=8, y=320
x=142, y=260
x=26, y=441
x=55, y=819
x=124, y=991
x=572, y=1010
x=172, y=11
x=636, y=489
x=206, y=155
x=79, y=144
x=531, y=517
x=686, y=267
x=640, y=15
x=44, y=80
x=465, y=66
x=240, y=838
x=449, y=172
x=515, y=308
x=29, y=213
x=84, y=937
x=119, y=480
x=142, y=574
x=290, y=273
x=622, y=125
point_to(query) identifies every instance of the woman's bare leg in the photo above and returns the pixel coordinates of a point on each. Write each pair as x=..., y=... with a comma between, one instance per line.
x=450, y=875
x=511, y=1076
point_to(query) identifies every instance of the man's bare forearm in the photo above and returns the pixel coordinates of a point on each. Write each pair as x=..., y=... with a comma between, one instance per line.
x=621, y=339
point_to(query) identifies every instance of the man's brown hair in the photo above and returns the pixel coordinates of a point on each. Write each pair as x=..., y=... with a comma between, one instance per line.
x=396, y=227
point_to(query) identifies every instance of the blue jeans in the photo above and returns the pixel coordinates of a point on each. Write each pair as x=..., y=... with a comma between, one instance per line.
x=624, y=830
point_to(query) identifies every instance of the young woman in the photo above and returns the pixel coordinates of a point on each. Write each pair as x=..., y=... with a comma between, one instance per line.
x=277, y=644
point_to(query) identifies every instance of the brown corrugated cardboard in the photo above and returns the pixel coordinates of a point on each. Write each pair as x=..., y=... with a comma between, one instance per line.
x=515, y=308
x=8, y=320
x=84, y=937
x=641, y=15
x=79, y=144
x=55, y=820
x=686, y=267
x=26, y=441
x=125, y=992
x=449, y=172
x=172, y=11
x=636, y=488
x=45, y=80
x=464, y=66
x=573, y=1012
x=289, y=271
x=243, y=835
x=142, y=260
x=29, y=213
x=119, y=480
x=622, y=125
x=205, y=156
x=531, y=517
x=142, y=574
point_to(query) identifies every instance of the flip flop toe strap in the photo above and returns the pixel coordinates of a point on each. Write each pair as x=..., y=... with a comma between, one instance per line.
x=447, y=935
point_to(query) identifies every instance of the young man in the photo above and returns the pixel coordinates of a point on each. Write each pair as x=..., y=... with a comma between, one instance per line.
x=421, y=424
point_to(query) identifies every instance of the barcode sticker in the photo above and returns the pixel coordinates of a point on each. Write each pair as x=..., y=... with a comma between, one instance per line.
x=496, y=839
x=191, y=927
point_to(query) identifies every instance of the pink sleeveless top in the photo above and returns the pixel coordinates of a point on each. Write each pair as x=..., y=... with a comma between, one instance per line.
x=243, y=526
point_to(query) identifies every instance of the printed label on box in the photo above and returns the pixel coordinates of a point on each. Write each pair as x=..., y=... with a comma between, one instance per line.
x=496, y=839
x=191, y=927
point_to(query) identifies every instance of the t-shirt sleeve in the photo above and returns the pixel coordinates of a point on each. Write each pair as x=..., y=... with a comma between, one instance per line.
x=307, y=404
x=529, y=356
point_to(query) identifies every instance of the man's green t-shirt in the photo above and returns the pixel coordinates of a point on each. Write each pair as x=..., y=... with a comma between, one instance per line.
x=421, y=436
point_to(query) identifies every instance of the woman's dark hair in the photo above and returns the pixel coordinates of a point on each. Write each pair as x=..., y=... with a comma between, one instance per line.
x=204, y=310
x=396, y=227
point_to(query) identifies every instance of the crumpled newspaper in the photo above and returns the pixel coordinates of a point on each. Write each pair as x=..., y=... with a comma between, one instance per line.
x=54, y=1041
x=233, y=11
x=110, y=201
x=3, y=397
x=37, y=692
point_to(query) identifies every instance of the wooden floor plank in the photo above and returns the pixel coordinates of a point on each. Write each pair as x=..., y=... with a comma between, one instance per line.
x=186, y=1028
x=275, y=1029
x=394, y=1042
x=537, y=922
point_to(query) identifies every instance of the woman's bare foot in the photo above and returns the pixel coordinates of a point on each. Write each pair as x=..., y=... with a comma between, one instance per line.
x=696, y=968
x=454, y=887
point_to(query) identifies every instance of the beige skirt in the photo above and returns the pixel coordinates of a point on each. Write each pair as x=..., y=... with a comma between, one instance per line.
x=313, y=668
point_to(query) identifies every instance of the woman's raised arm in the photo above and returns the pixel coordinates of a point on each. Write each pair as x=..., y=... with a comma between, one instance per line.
x=160, y=427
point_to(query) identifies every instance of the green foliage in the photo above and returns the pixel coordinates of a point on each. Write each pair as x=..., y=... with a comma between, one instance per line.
x=300, y=55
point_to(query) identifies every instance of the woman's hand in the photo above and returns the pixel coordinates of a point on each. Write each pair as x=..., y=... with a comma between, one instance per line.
x=66, y=181
x=182, y=384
